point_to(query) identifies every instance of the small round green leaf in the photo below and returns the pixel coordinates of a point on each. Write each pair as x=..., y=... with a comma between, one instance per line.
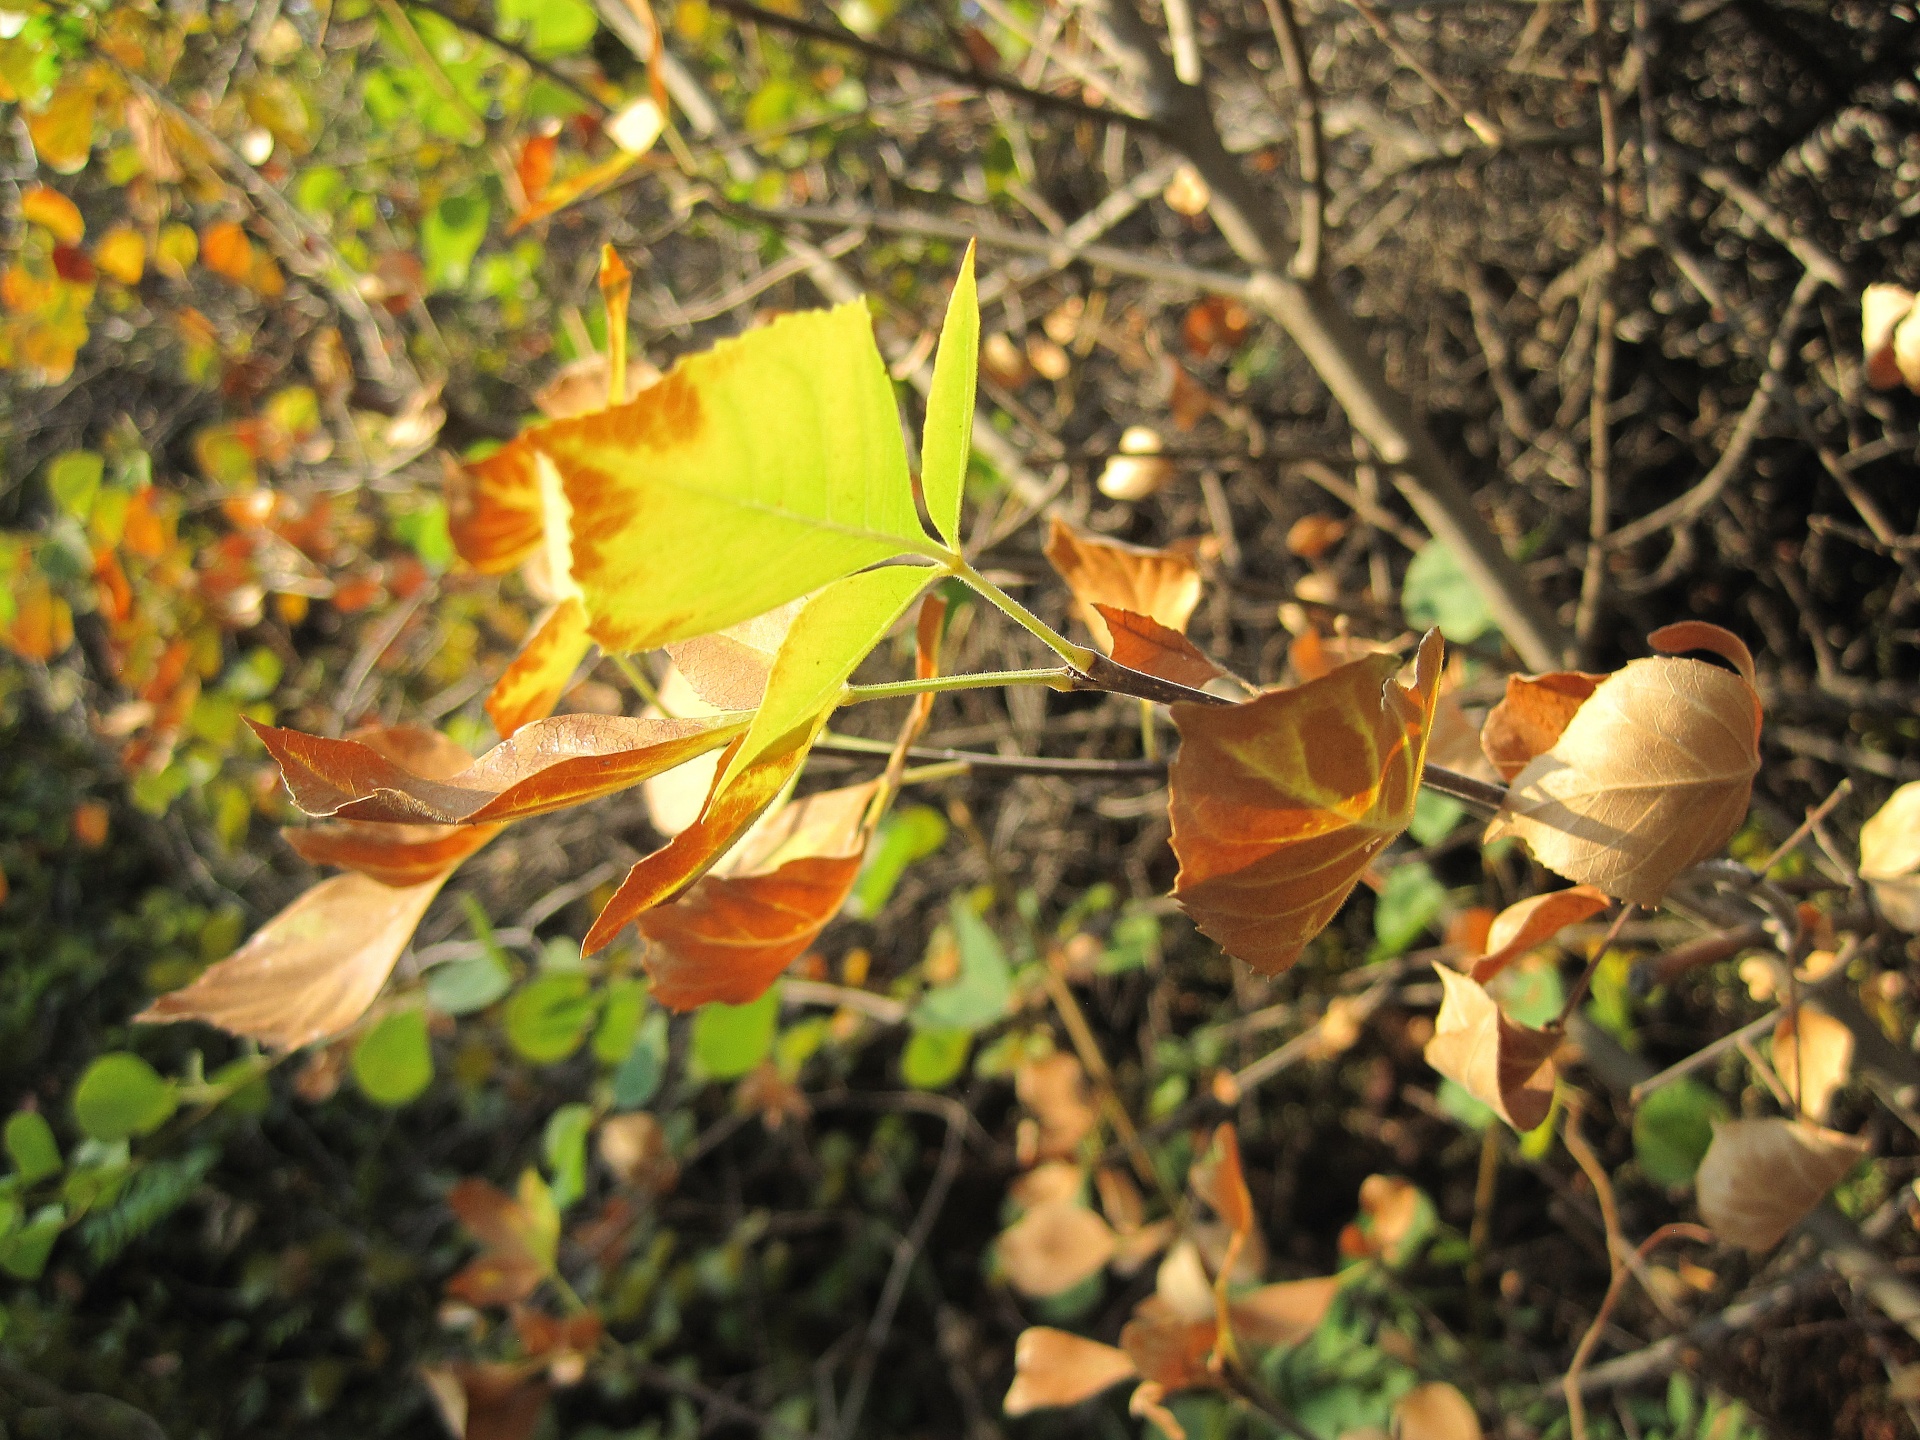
x=1673, y=1128
x=729, y=1040
x=393, y=1062
x=461, y=987
x=31, y=1146
x=934, y=1057
x=547, y=1018
x=121, y=1096
x=1438, y=592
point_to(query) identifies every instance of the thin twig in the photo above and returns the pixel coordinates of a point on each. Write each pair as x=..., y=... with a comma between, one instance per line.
x=1307, y=137
x=1600, y=396
x=1570, y=1383
x=983, y=760
x=519, y=52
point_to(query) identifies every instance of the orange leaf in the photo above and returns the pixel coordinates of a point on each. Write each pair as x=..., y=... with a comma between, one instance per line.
x=730, y=935
x=1527, y=722
x=1053, y=1367
x=397, y=855
x=1216, y=1177
x=1168, y=1348
x=1285, y=1313
x=534, y=168
x=532, y=684
x=1311, y=536
x=517, y=1246
x=62, y=131
x=48, y=208
x=547, y=765
x=312, y=970
x=42, y=623
x=1506, y=1066
x=1533, y=921
x=1142, y=643
x=226, y=250
x=1651, y=775
x=494, y=509
x=487, y=1402
x=1281, y=802
x=1435, y=1411
x=1760, y=1178
x=1156, y=583
x=692, y=852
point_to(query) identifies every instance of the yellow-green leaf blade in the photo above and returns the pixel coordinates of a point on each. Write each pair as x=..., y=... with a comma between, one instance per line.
x=949, y=431
x=830, y=637
x=754, y=473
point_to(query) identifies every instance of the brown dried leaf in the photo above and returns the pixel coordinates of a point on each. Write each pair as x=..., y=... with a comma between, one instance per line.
x=634, y=1148
x=1054, y=1088
x=1890, y=857
x=1499, y=1063
x=1534, y=921
x=396, y=855
x=728, y=669
x=487, y=1402
x=1812, y=1055
x=732, y=933
x=1281, y=802
x=1053, y=1247
x=1528, y=721
x=1311, y=536
x=1285, y=1313
x=1651, y=775
x=548, y=765
x=1170, y=1349
x=1391, y=1206
x=312, y=970
x=1142, y=643
x=1048, y=1182
x=1760, y=1178
x=1156, y=583
x=1053, y=1367
x=1435, y=1411
x=1216, y=1177
x=1181, y=1283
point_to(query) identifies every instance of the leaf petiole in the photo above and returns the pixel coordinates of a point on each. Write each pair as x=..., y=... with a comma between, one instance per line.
x=1058, y=679
x=1078, y=656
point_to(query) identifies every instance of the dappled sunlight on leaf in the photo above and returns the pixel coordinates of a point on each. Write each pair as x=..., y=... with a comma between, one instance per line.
x=1532, y=922
x=1281, y=802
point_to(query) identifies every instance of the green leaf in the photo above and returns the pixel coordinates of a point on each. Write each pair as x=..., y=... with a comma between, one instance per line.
x=1673, y=1128
x=1434, y=817
x=981, y=992
x=729, y=1040
x=565, y=1145
x=779, y=451
x=829, y=637
x=74, y=479
x=552, y=27
x=393, y=1063
x=910, y=833
x=460, y=987
x=30, y=1144
x=425, y=529
x=949, y=431
x=549, y=1015
x=1408, y=903
x=1438, y=592
x=24, y=1253
x=626, y=1002
x=542, y=1233
x=638, y=1079
x=934, y=1057
x=450, y=236
x=122, y=1096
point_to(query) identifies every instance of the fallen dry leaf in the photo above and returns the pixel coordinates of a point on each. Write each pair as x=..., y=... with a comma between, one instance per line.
x=1882, y=308
x=1053, y=1247
x=1160, y=584
x=1435, y=1411
x=1285, y=1313
x=1528, y=721
x=312, y=970
x=1652, y=774
x=1499, y=1063
x=1170, y=1349
x=635, y=1149
x=1054, y=1088
x=1281, y=802
x=547, y=765
x=732, y=932
x=1390, y=1206
x=1760, y=1178
x=1890, y=857
x=1053, y=1368
x=1532, y=922
x=1812, y=1055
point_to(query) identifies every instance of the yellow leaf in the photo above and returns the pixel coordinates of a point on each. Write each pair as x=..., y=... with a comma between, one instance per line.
x=1812, y=1054
x=62, y=131
x=122, y=254
x=47, y=207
